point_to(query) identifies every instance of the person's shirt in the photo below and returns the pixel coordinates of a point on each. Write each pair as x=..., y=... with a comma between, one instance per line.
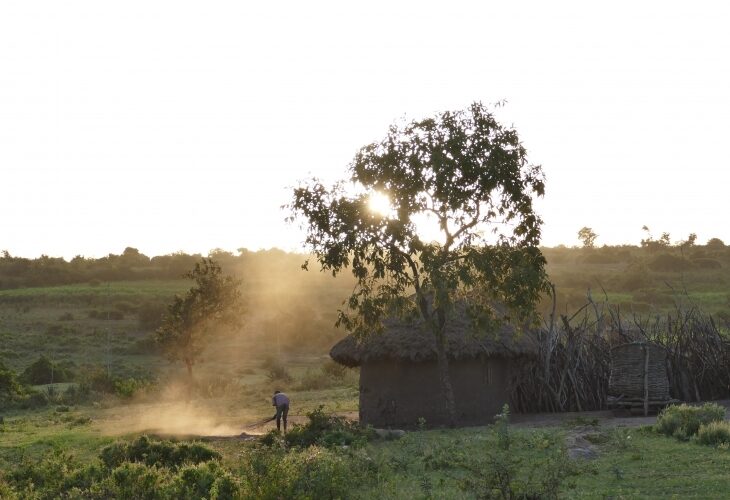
x=280, y=399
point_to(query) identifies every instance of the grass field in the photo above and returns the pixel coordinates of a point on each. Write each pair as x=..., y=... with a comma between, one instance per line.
x=234, y=384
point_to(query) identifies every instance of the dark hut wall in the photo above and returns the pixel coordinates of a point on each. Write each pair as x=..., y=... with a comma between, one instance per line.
x=394, y=393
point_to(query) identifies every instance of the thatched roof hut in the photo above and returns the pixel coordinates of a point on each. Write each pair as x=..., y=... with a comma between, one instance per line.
x=399, y=380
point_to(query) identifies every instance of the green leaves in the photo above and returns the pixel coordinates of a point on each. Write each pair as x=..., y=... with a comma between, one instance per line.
x=191, y=319
x=470, y=175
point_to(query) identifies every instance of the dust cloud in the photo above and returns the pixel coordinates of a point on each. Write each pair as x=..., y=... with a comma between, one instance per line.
x=169, y=418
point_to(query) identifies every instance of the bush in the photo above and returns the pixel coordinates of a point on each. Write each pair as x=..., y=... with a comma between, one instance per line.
x=95, y=378
x=684, y=421
x=67, y=316
x=328, y=431
x=10, y=389
x=34, y=400
x=500, y=473
x=128, y=387
x=714, y=433
x=133, y=480
x=274, y=473
x=206, y=480
x=58, y=475
x=43, y=371
x=160, y=453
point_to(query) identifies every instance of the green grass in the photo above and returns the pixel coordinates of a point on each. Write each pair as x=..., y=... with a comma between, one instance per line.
x=654, y=466
x=100, y=294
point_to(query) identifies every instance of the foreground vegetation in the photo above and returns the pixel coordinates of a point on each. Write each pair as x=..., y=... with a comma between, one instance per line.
x=80, y=374
x=48, y=457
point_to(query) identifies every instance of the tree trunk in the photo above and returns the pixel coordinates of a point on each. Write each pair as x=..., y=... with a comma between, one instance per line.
x=445, y=378
x=442, y=361
x=189, y=366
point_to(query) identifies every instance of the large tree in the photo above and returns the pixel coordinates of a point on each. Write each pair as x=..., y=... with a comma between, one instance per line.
x=469, y=176
x=213, y=303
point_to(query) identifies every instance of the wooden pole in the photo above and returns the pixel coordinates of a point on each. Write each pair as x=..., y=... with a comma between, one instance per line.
x=646, y=381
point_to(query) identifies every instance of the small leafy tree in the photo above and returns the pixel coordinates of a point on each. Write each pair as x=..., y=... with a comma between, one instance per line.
x=192, y=320
x=587, y=236
x=470, y=176
x=9, y=386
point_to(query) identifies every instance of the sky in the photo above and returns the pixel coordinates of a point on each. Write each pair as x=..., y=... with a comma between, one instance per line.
x=183, y=126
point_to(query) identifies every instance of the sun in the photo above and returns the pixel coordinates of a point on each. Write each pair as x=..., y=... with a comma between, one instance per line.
x=379, y=203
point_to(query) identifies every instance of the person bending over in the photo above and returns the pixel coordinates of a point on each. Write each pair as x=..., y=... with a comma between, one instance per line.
x=281, y=402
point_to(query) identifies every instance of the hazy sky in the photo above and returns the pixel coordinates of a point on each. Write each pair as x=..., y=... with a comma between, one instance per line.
x=182, y=125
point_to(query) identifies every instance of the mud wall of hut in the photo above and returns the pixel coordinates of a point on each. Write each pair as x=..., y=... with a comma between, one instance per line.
x=397, y=394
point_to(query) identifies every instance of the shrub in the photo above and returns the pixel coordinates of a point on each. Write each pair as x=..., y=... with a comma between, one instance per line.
x=328, y=431
x=684, y=421
x=500, y=473
x=273, y=473
x=35, y=400
x=43, y=371
x=53, y=475
x=133, y=480
x=58, y=475
x=10, y=389
x=160, y=453
x=206, y=480
x=128, y=387
x=76, y=394
x=714, y=433
x=67, y=316
x=95, y=378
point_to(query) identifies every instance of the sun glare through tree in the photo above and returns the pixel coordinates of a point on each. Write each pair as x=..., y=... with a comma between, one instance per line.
x=379, y=203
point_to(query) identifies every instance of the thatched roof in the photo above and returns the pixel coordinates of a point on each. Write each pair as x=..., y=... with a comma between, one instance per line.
x=404, y=341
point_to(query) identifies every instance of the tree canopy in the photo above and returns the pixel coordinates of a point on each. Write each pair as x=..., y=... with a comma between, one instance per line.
x=587, y=236
x=191, y=320
x=467, y=176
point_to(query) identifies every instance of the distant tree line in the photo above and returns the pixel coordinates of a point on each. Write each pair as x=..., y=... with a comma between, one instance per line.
x=130, y=265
